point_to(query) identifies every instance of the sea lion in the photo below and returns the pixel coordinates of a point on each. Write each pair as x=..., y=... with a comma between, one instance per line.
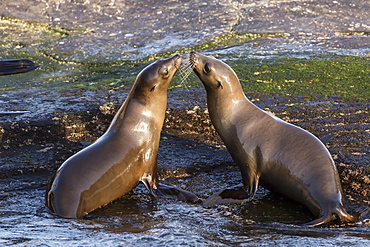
x=124, y=156
x=281, y=156
x=16, y=66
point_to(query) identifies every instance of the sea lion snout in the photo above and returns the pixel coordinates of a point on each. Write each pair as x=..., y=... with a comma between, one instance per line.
x=175, y=60
x=178, y=61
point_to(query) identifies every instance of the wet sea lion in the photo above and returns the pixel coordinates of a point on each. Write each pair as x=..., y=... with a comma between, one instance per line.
x=281, y=156
x=16, y=66
x=124, y=156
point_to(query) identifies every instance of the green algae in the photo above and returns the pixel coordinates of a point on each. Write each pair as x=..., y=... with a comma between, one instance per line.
x=343, y=76
x=224, y=41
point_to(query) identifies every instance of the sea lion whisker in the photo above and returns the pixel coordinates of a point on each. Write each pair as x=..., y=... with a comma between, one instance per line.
x=185, y=65
x=185, y=71
x=184, y=76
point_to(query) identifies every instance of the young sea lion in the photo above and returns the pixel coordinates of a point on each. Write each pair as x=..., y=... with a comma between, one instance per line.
x=124, y=156
x=279, y=155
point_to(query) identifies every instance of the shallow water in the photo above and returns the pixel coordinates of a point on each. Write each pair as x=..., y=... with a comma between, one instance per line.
x=139, y=219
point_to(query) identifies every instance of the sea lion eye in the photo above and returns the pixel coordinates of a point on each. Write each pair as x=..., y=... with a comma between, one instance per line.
x=207, y=67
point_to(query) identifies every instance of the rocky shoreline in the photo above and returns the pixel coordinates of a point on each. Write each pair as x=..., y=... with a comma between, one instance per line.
x=40, y=128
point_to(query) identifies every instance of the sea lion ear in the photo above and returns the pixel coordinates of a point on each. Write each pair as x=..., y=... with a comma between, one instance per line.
x=152, y=89
x=220, y=85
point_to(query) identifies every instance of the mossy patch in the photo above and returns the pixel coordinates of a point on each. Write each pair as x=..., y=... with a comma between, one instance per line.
x=342, y=76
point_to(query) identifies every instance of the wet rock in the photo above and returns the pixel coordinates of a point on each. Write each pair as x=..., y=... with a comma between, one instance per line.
x=122, y=30
x=61, y=122
x=313, y=17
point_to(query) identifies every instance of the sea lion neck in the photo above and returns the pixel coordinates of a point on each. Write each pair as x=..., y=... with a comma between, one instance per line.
x=222, y=101
x=223, y=111
x=142, y=108
x=229, y=90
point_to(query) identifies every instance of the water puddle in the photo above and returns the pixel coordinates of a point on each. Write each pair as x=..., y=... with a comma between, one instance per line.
x=139, y=219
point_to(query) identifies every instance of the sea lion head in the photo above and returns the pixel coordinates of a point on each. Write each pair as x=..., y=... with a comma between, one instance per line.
x=216, y=75
x=157, y=76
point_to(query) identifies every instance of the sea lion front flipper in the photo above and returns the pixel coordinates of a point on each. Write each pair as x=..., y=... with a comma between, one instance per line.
x=150, y=180
x=319, y=221
x=176, y=193
x=236, y=194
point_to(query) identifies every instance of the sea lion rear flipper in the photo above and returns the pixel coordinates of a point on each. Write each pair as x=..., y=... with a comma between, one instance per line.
x=232, y=195
x=317, y=222
x=176, y=193
x=338, y=213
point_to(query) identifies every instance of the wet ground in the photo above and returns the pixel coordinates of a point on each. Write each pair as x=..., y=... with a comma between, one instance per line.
x=191, y=156
x=112, y=30
x=43, y=123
